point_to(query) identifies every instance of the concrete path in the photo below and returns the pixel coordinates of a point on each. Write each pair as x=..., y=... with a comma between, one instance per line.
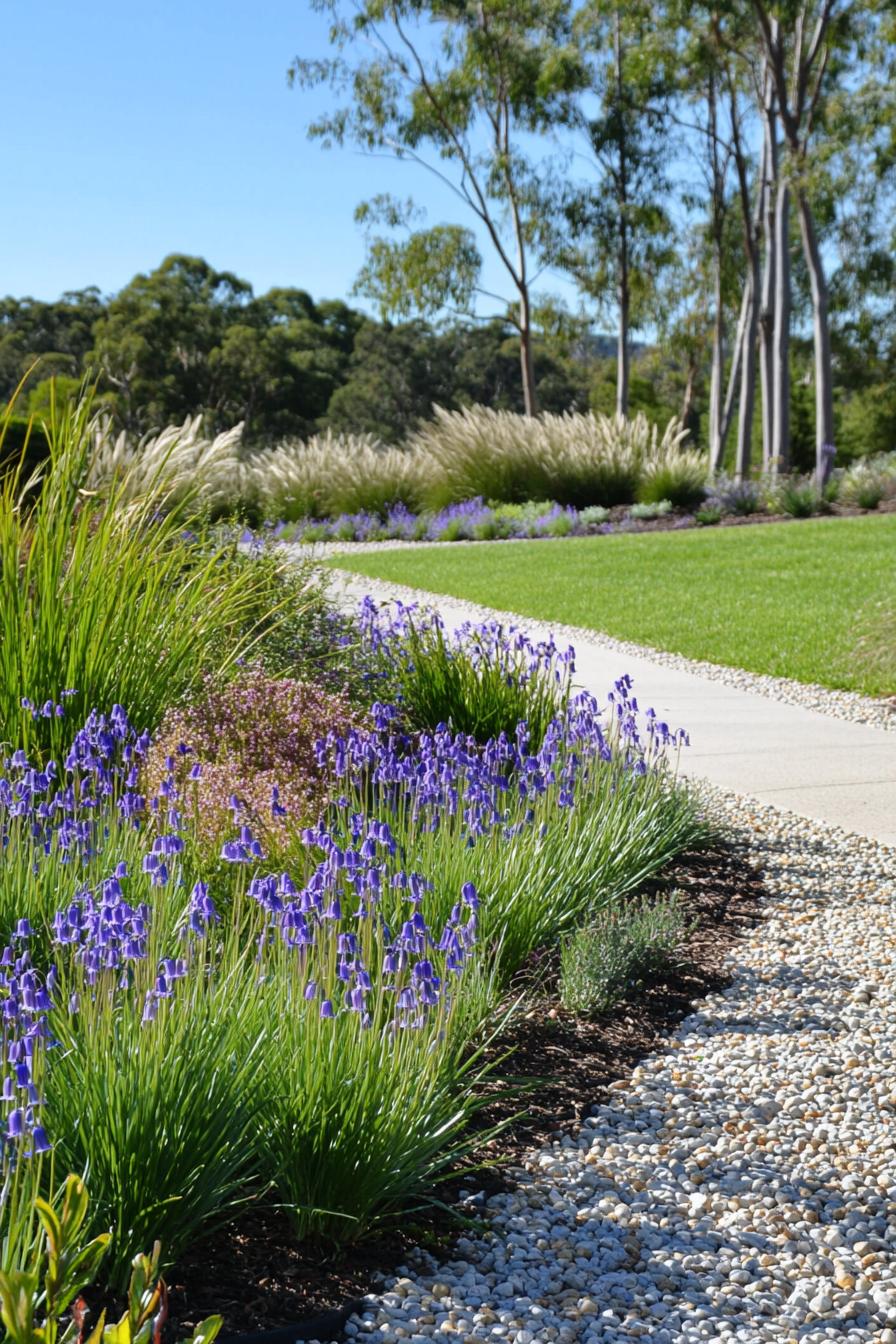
x=820, y=767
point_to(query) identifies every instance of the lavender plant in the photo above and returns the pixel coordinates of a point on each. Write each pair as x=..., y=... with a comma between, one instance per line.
x=605, y=961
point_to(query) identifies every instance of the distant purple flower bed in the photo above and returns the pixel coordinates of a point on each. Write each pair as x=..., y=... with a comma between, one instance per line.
x=472, y=520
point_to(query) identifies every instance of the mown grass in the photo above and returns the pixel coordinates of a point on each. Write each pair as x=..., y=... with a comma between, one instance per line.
x=786, y=599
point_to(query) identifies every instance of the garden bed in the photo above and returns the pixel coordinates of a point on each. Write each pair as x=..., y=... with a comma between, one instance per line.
x=259, y=1278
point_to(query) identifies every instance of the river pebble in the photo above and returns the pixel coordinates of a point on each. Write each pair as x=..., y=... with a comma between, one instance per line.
x=740, y=1185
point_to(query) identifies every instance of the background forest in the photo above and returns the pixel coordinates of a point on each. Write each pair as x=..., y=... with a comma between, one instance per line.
x=711, y=183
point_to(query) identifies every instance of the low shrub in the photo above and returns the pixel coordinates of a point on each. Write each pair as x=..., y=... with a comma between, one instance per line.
x=865, y=484
x=602, y=963
x=738, y=497
x=594, y=516
x=647, y=512
x=708, y=514
x=244, y=752
x=797, y=496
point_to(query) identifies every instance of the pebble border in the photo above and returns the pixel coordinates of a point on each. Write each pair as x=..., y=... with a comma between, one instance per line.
x=741, y=1184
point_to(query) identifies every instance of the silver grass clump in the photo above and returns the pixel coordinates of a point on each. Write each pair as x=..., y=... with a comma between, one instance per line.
x=177, y=464
x=331, y=474
x=572, y=458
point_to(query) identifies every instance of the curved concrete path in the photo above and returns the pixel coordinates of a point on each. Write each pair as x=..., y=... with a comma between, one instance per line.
x=827, y=769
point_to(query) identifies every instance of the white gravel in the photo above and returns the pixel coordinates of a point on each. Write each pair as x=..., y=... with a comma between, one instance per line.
x=838, y=704
x=742, y=1184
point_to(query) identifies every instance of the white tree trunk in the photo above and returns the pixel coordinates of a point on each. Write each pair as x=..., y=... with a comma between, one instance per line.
x=767, y=300
x=824, y=391
x=780, y=446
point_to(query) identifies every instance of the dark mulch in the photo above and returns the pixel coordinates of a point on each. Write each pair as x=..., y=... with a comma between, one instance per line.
x=258, y=1278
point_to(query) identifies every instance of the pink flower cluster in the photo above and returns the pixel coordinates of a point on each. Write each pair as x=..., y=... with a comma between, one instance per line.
x=244, y=751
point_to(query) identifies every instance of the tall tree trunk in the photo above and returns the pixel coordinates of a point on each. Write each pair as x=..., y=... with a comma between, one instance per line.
x=780, y=454
x=767, y=301
x=623, y=349
x=687, y=401
x=824, y=393
x=527, y=362
x=734, y=373
x=744, y=449
x=716, y=442
x=622, y=261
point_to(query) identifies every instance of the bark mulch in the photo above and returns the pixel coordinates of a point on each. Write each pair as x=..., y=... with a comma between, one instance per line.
x=256, y=1276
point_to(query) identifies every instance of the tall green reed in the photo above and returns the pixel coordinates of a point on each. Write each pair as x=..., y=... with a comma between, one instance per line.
x=106, y=595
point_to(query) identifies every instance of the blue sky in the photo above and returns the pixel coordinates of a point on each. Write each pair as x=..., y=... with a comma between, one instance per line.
x=135, y=130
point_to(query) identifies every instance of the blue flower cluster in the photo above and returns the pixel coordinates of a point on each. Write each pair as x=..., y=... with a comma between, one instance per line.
x=350, y=919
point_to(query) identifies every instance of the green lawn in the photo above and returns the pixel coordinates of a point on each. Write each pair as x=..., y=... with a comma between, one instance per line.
x=784, y=598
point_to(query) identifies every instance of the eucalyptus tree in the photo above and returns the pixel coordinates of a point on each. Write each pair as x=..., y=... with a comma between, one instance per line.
x=456, y=87
x=804, y=43
x=613, y=232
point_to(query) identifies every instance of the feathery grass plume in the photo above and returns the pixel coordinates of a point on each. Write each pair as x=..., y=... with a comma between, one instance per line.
x=572, y=459
x=331, y=474
x=180, y=463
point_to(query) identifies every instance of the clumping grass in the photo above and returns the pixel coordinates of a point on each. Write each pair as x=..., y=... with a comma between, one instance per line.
x=777, y=598
x=106, y=597
x=603, y=962
x=481, y=681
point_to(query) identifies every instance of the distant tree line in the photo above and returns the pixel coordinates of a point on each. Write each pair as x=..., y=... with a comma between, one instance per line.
x=186, y=338
x=717, y=172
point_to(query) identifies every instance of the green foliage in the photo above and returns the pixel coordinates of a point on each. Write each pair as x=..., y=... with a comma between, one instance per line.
x=62, y=1265
x=355, y=1124
x=602, y=963
x=867, y=420
x=110, y=599
x=797, y=497
x=708, y=515
x=647, y=511
x=869, y=481
x=480, y=690
x=24, y=447
x=432, y=269
x=161, y=1118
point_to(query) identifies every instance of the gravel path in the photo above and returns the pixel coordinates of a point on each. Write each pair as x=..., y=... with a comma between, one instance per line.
x=742, y=1184
x=838, y=704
